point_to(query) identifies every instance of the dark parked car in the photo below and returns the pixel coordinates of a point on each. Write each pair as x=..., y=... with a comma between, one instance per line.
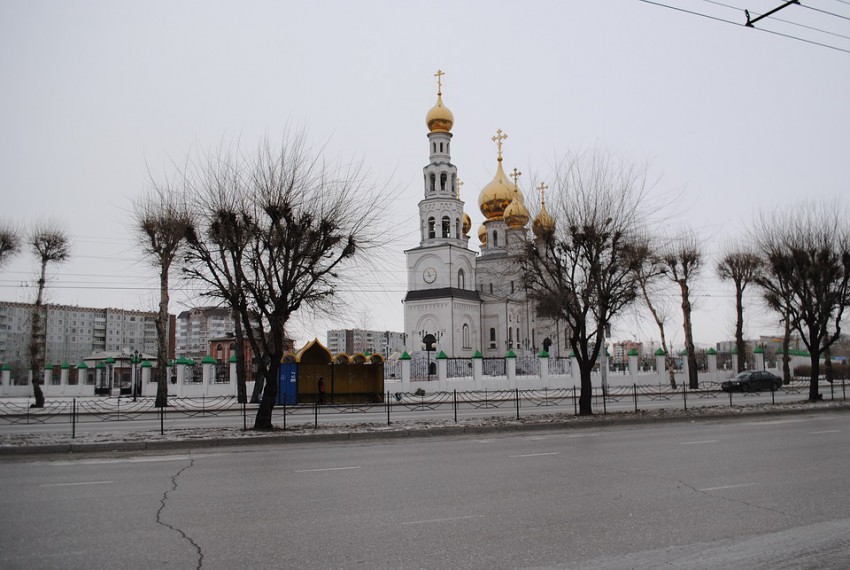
x=752, y=381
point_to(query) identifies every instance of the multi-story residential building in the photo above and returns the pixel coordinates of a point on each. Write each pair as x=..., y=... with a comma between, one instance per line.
x=196, y=327
x=620, y=351
x=74, y=333
x=352, y=341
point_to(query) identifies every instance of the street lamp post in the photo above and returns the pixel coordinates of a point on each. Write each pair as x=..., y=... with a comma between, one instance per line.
x=136, y=383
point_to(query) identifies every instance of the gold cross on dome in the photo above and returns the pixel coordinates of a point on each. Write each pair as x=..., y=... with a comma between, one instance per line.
x=498, y=138
x=459, y=184
x=439, y=75
x=515, y=175
x=543, y=189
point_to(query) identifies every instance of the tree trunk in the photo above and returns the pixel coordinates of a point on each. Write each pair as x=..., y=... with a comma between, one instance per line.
x=162, y=341
x=668, y=360
x=585, y=407
x=786, y=347
x=739, y=328
x=37, y=341
x=693, y=373
x=814, y=395
x=264, y=412
x=241, y=391
x=259, y=384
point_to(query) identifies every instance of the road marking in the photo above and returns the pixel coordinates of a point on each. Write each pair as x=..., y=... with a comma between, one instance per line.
x=328, y=469
x=583, y=435
x=535, y=454
x=727, y=487
x=76, y=484
x=450, y=519
x=825, y=431
x=151, y=459
x=537, y=438
x=698, y=442
x=772, y=422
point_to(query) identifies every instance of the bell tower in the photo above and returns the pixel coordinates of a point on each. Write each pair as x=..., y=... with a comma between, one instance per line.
x=441, y=300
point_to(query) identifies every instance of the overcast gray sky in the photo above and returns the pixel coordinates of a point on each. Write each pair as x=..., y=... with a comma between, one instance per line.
x=733, y=120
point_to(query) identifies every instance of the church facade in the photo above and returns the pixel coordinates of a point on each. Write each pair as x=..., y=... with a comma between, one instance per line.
x=460, y=301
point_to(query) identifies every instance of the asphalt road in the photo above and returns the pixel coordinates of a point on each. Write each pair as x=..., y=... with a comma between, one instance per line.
x=768, y=493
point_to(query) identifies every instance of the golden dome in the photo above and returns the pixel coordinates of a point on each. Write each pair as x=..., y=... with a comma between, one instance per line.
x=497, y=195
x=482, y=235
x=439, y=118
x=467, y=224
x=543, y=224
x=516, y=215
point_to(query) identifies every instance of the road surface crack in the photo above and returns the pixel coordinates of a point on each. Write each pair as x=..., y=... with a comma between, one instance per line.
x=738, y=501
x=159, y=511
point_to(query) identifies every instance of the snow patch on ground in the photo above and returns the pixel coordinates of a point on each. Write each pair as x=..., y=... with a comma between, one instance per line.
x=562, y=419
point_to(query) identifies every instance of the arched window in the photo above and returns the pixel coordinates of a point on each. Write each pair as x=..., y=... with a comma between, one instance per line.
x=517, y=338
x=512, y=286
x=491, y=287
x=431, y=228
x=435, y=148
x=218, y=349
x=443, y=179
x=441, y=147
x=465, y=335
x=454, y=184
x=510, y=337
x=492, y=338
x=533, y=341
x=433, y=182
x=495, y=239
x=447, y=227
x=461, y=279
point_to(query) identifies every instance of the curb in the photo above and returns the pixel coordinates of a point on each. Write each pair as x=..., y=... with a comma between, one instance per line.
x=600, y=421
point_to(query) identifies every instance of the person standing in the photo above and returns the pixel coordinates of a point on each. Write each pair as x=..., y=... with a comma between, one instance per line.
x=321, y=399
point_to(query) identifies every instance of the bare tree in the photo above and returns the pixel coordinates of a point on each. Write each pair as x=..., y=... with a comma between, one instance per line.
x=807, y=274
x=10, y=242
x=742, y=267
x=273, y=236
x=49, y=242
x=680, y=262
x=584, y=272
x=161, y=222
x=648, y=274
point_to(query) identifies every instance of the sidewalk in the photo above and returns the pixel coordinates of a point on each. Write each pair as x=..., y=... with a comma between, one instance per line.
x=204, y=438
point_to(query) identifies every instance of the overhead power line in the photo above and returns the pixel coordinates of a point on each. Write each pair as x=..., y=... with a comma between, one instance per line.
x=783, y=20
x=725, y=21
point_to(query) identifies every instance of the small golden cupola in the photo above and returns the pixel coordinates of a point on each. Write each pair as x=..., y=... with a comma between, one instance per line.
x=482, y=234
x=467, y=224
x=439, y=118
x=543, y=225
x=516, y=214
x=499, y=193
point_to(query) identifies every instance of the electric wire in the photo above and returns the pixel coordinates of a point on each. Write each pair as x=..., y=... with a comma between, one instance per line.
x=783, y=20
x=824, y=12
x=710, y=17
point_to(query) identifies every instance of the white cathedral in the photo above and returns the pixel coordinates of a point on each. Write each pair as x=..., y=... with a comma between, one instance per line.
x=459, y=301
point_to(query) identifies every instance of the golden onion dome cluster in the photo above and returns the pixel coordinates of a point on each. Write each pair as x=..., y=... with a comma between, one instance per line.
x=496, y=196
